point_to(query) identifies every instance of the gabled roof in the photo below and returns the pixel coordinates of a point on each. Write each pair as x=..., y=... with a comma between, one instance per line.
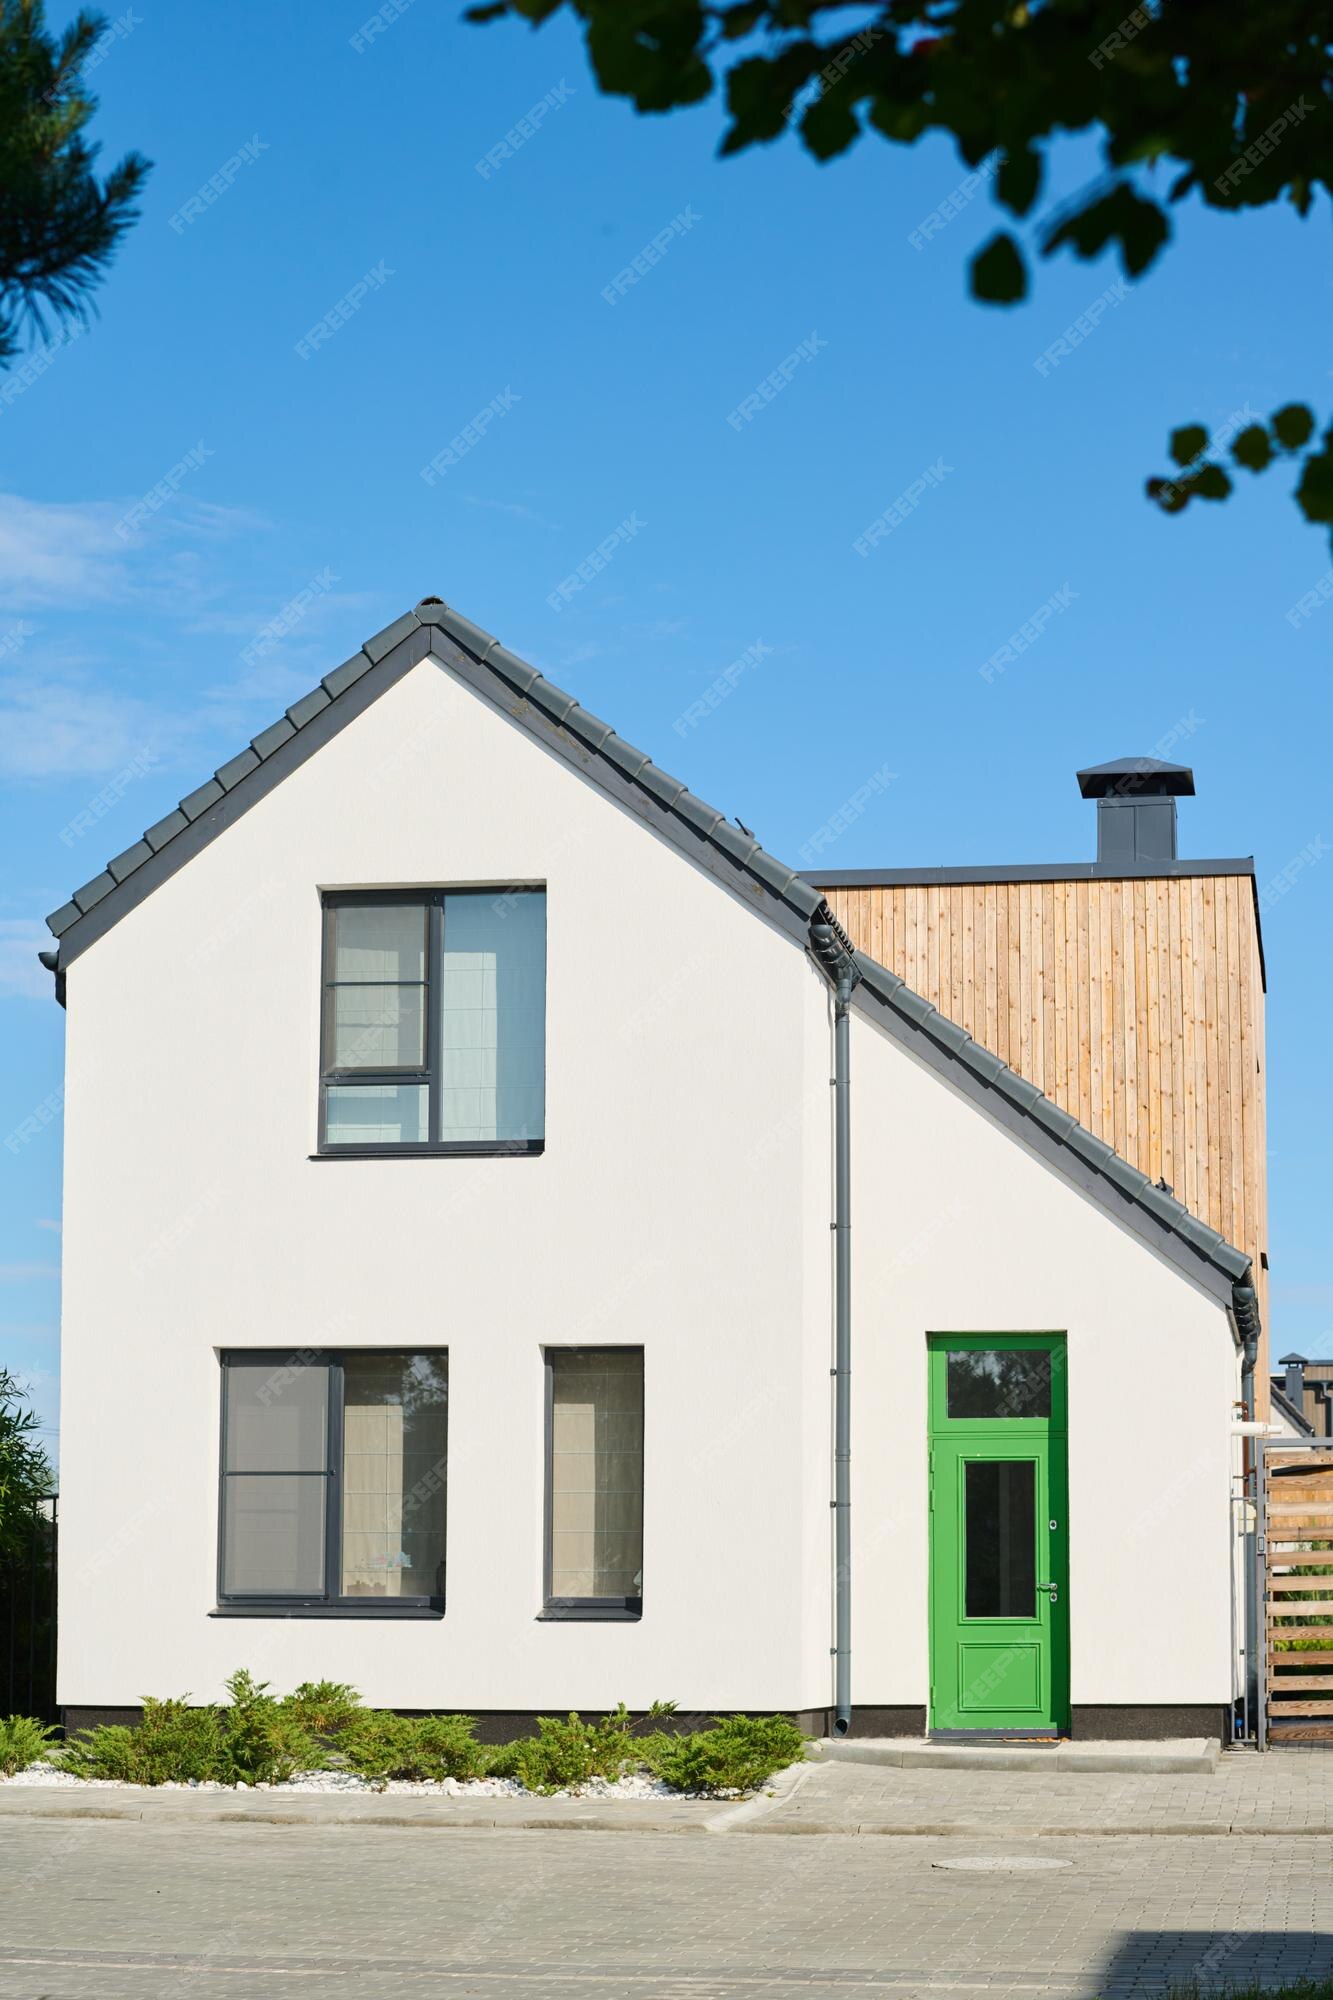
x=706, y=835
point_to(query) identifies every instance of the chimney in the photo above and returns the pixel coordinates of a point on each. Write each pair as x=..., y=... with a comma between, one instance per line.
x=1293, y=1387
x=1136, y=809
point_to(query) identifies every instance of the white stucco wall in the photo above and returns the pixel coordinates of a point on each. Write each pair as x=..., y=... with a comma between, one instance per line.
x=682, y=1203
x=959, y=1228
x=668, y=1209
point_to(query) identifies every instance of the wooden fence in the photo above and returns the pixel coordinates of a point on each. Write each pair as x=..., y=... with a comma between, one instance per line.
x=1295, y=1556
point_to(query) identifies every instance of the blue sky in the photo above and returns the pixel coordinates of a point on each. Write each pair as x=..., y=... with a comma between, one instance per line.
x=217, y=492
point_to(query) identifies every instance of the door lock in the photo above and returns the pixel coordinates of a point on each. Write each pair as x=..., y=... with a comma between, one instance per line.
x=1054, y=1589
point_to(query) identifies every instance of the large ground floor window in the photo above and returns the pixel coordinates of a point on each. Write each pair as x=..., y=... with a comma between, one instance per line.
x=334, y=1481
x=594, y=1479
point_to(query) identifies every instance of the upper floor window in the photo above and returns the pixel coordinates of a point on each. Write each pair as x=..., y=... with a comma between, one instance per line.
x=434, y=1021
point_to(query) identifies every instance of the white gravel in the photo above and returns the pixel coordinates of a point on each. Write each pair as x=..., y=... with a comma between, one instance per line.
x=629, y=1788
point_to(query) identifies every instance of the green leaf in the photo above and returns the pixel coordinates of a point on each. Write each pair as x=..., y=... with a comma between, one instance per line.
x=1139, y=226
x=998, y=272
x=1171, y=495
x=1314, y=495
x=1210, y=482
x=1293, y=426
x=1019, y=179
x=1187, y=442
x=1253, y=448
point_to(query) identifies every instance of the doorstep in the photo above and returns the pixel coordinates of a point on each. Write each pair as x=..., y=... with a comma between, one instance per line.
x=1194, y=1754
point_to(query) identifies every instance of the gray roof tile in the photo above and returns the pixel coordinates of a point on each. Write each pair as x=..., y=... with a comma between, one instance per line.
x=272, y=738
x=384, y=642
x=166, y=829
x=133, y=857
x=93, y=892
x=236, y=768
x=60, y=920
x=308, y=707
x=198, y=802
x=349, y=672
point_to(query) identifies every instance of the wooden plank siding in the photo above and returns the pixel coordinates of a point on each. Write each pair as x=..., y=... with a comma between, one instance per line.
x=1136, y=1005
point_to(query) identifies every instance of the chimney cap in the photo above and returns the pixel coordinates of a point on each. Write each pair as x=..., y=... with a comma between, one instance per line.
x=1128, y=777
x=1301, y=1360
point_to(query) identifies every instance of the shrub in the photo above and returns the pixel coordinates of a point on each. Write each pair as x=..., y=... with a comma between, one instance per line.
x=380, y=1745
x=737, y=1755
x=324, y=1707
x=255, y=1740
x=173, y=1742
x=22, y=1742
x=569, y=1751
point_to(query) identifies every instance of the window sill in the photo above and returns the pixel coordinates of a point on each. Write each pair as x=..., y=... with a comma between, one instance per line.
x=487, y=1149
x=605, y=1614
x=390, y=1612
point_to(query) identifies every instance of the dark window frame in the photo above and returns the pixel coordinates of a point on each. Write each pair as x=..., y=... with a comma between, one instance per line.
x=612, y=1610
x=328, y=1603
x=432, y=901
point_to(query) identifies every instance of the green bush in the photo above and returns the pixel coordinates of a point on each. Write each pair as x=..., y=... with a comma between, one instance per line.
x=737, y=1755
x=380, y=1745
x=22, y=1742
x=258, y=1737
x=256, y=1740
x=566, y=1752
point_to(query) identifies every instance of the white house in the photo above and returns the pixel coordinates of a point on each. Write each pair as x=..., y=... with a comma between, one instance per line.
x=536, y=1402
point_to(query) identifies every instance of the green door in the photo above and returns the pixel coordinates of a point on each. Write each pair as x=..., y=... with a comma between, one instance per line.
x=999, y=1567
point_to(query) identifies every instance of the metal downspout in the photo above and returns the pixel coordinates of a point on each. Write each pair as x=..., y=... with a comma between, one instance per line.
x=1245, y=1309
x=842, y=1357
x=833, y=951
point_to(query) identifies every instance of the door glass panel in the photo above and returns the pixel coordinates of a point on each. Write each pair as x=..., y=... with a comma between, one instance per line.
x=999, y=1382
x=1000, y=1538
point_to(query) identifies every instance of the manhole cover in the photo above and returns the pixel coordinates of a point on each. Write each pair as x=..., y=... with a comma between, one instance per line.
x=1001, y=1863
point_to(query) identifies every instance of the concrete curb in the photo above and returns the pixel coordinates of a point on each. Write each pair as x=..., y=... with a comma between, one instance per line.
x=752, y=1818
x=1198, y=1756
x=781, y=1787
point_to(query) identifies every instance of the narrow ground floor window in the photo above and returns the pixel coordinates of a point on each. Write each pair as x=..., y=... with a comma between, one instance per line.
x=594, y=1458
x=334, y=1480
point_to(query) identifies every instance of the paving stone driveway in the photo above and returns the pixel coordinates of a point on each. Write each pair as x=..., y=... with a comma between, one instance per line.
x=1288, y=1791
x=225, y=1911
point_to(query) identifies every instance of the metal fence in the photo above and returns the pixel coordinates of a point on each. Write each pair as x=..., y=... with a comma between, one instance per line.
x=28, y=1614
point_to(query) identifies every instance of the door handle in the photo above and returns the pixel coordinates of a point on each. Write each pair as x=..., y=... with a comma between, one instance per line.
x=1054, y=1589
